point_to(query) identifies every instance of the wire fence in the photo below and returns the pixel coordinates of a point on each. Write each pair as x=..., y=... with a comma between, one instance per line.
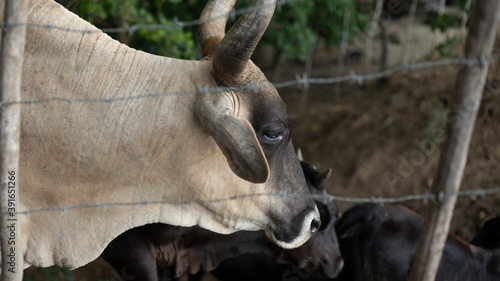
x=325, y=198
x=300, y=81
x=303, y=80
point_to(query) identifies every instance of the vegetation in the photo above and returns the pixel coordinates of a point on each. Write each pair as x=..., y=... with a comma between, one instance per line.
x=294, y=28
x=449, y=47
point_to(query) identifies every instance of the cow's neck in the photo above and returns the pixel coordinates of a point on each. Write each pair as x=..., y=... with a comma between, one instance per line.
x=88, y=135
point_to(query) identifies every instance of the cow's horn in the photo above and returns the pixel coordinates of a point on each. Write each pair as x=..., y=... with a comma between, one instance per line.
x=299, y=155
x=231, y=58
x=212, y=25
x=323, y=177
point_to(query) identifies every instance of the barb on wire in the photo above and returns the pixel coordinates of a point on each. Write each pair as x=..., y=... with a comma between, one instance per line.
x=303, y=81
x=324, y=197
x=133, y=28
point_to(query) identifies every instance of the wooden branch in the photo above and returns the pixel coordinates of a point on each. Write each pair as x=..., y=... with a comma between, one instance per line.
x=373, y=29
x=408, y=30
x=13, y=38
x=466, y=100
x=344, y=43
x=463, y=25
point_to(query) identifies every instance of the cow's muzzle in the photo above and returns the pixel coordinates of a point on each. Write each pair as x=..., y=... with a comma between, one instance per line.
x=297, y=231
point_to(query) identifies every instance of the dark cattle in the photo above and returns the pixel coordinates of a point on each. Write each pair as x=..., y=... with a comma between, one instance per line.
x=164, y=252
x=489, y=236
x=378, y=243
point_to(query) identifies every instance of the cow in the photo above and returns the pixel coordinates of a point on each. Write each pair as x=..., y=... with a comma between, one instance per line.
x=379, y=243
x=113, y=138
x=163, y=252
x=489, y=236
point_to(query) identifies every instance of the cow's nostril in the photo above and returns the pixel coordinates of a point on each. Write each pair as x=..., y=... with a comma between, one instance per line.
x=315, y=224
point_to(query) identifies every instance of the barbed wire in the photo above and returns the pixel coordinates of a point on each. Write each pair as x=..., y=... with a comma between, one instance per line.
x=302, y=81
x=176, y=22
x=325, y=198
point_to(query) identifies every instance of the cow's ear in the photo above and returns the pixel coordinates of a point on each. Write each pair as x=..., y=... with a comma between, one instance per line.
x=235, y=137
x=237, y=140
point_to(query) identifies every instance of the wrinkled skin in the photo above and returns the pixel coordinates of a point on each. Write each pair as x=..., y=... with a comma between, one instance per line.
x=185, y=148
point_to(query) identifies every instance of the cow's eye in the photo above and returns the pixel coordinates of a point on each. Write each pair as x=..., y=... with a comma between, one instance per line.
x=273, y=136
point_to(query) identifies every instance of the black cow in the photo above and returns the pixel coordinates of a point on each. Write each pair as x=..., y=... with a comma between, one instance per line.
x=489, y=236
x=379, y=242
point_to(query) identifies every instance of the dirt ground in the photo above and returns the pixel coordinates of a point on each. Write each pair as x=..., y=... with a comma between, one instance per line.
x=382, y=139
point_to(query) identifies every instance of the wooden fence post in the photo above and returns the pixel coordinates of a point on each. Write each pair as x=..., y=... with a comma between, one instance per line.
x=463, y=110
x=344, y=44
x=13, y=38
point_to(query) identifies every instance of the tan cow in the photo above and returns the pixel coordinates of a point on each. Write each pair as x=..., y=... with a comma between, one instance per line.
x=212, y=156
